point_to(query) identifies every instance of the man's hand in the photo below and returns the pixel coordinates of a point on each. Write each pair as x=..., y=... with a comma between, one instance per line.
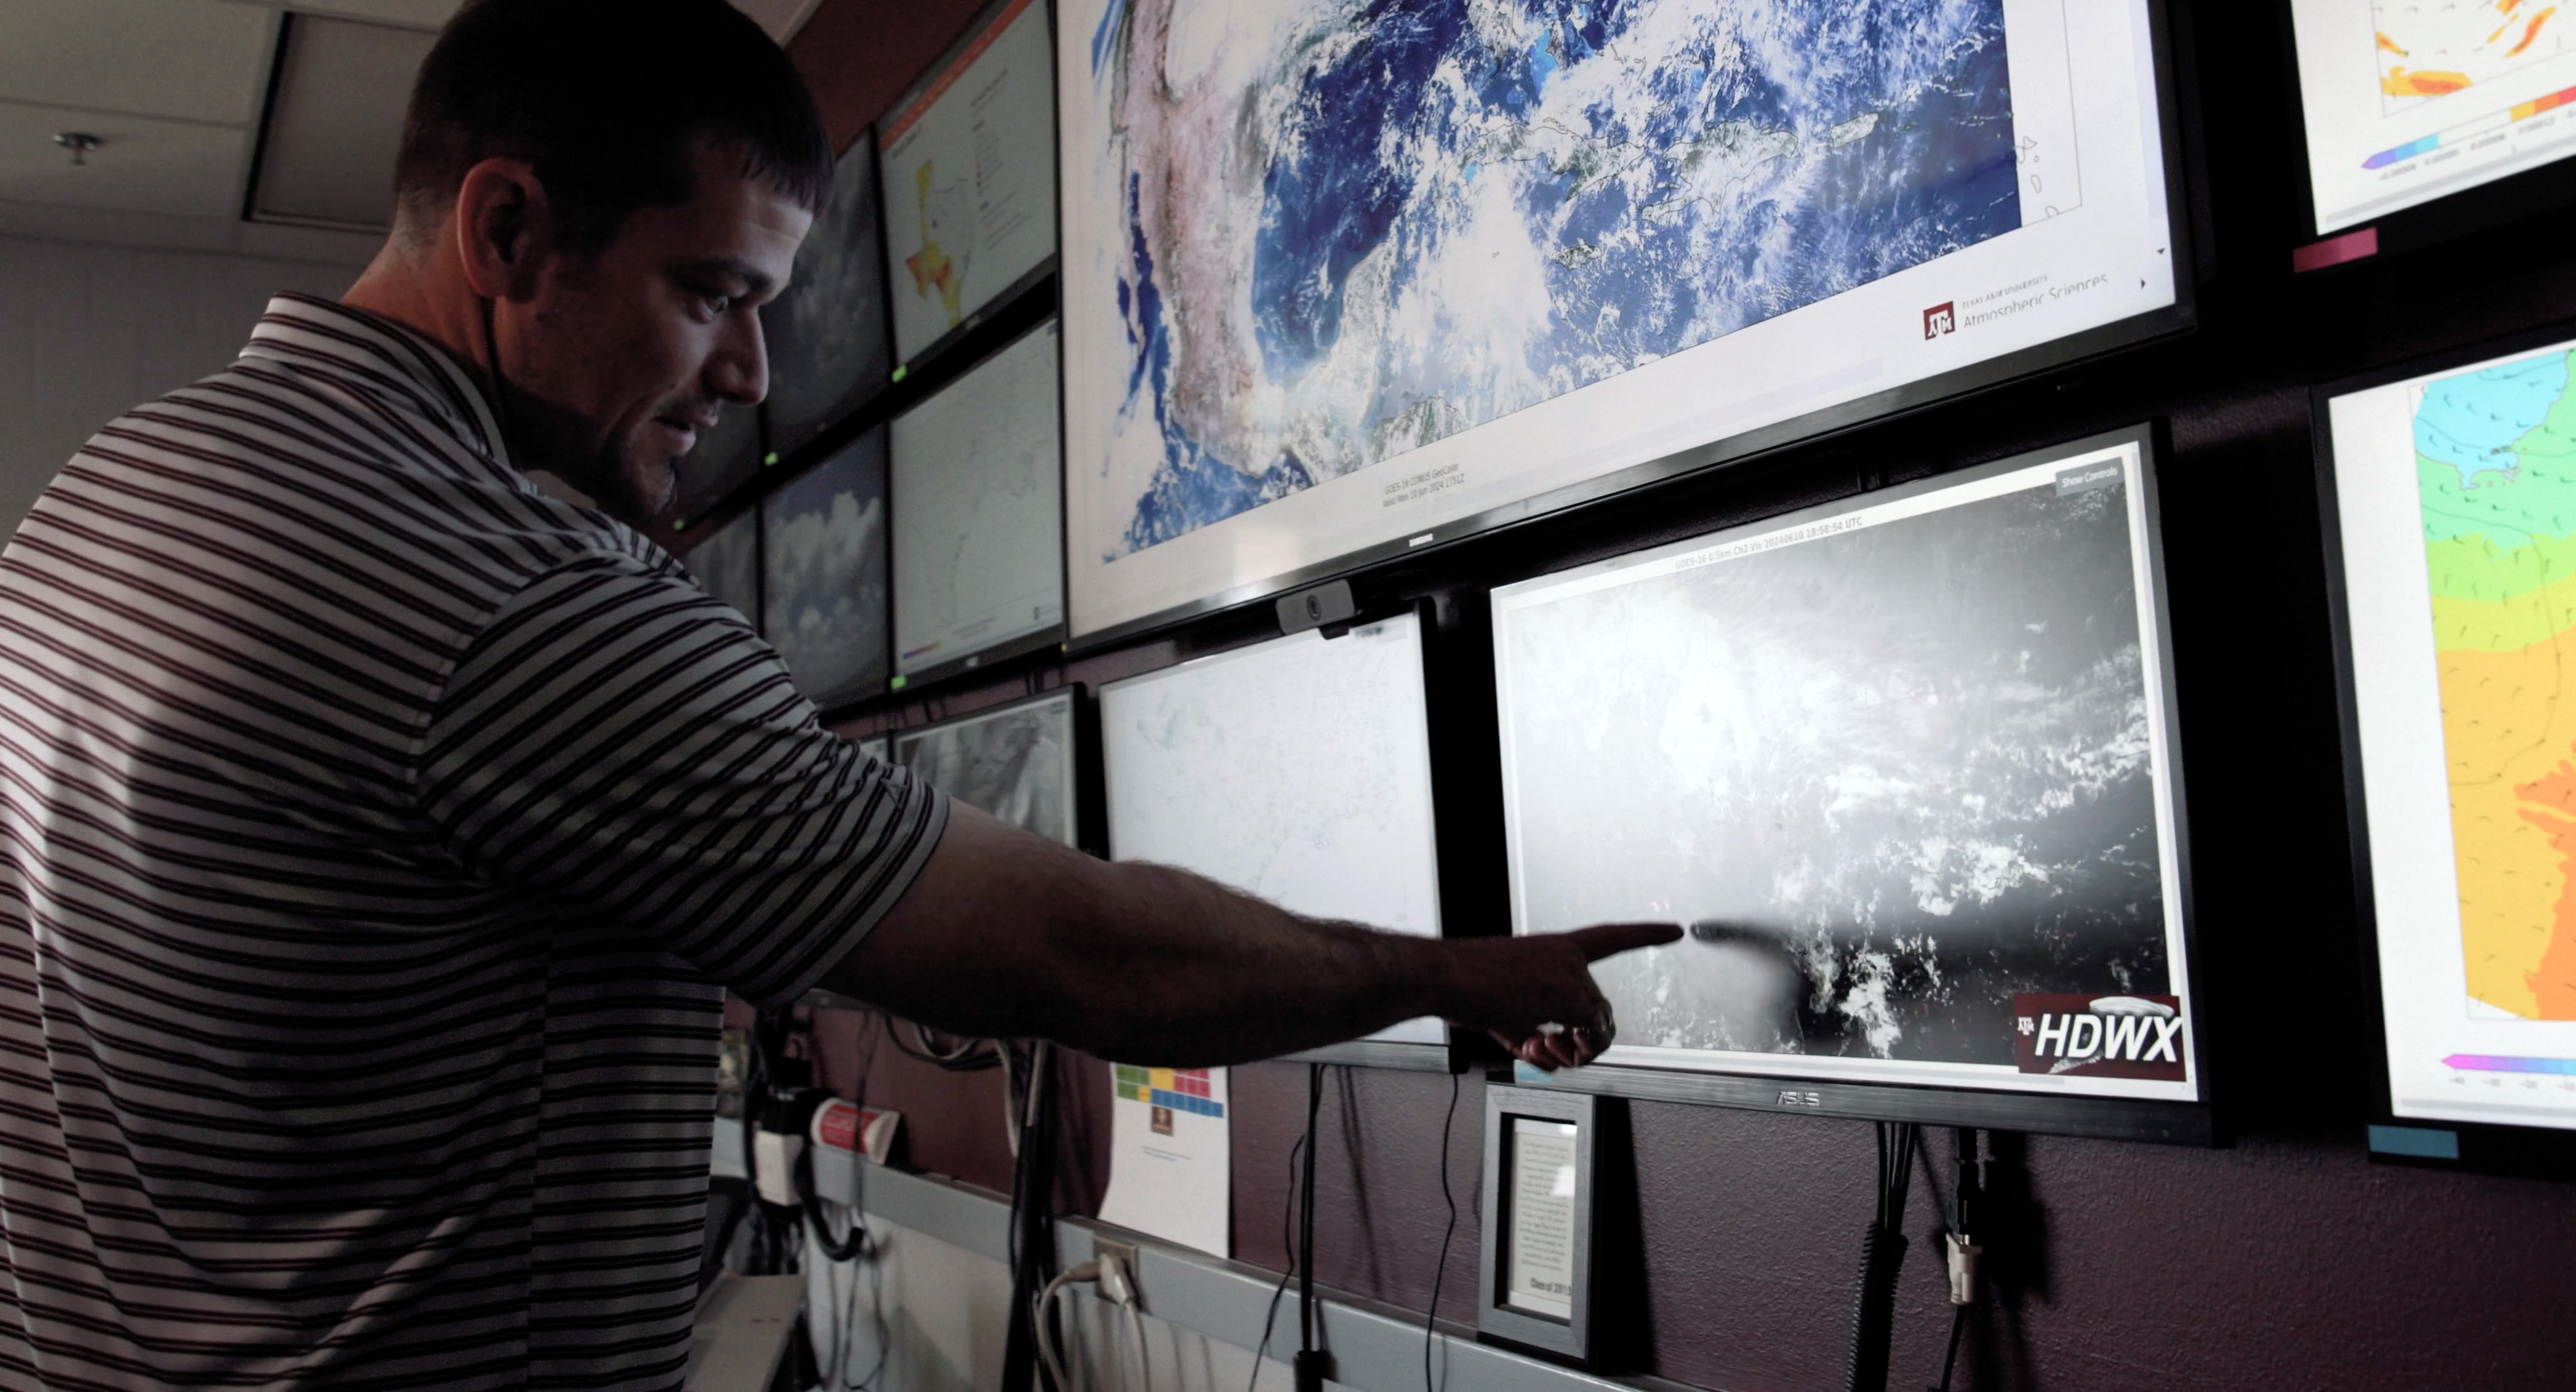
x=1536, y=994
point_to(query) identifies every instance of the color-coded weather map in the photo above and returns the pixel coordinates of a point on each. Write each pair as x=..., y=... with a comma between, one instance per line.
x=1181, y=1089
x=2496, y=465
x=2432, y=48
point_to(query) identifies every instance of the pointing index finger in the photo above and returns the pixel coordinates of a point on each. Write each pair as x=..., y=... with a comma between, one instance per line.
x=1611, y=939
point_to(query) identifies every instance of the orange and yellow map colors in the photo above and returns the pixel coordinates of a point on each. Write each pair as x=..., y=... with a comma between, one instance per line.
x=2496, y=463
x=2432, y=48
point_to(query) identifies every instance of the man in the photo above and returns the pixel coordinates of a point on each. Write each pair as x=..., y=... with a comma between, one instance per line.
x=380, y=833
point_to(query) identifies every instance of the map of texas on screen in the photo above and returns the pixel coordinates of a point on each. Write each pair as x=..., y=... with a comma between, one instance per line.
x=2456, y=498
x=1318, y=253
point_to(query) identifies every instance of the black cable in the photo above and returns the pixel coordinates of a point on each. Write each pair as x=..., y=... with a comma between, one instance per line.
x=1950, y=1360
x=1287, y=1244
x=1440, y=1270
x=1306, y=1216
x=1882, y=1258
x=978, y=1061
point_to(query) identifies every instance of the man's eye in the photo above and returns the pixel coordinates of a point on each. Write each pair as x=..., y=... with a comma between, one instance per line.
x=717, y=305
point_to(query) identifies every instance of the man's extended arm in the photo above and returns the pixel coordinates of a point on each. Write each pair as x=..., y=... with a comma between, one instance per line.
x=1008, y=934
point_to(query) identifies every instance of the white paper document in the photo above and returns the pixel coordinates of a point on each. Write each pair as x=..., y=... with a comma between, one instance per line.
x=1171, y=1159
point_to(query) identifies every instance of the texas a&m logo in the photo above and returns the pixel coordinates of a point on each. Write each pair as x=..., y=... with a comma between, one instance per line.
x=1940, y=319
x=2100, y=1036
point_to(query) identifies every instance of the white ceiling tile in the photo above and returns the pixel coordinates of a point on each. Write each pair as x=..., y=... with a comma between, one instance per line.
x=336, y=125
x=185, y=59
x=417, y=14
x=782, y=18
x=145, y=166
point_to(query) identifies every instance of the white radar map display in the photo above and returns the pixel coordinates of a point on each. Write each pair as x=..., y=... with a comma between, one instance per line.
x=1904, y=767
x=969, y=168
x=1016, y=763
x=1298, y=770
x=1342, y=279
x=978, y=497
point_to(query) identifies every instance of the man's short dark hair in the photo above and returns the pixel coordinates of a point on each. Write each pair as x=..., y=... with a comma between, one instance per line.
x=606, y=100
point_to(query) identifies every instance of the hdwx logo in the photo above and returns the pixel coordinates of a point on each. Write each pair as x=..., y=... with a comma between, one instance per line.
x=2099, y=1036
x=1940, y=319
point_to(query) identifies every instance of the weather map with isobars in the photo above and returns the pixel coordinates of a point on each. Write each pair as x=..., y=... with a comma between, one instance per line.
x=2496, y=463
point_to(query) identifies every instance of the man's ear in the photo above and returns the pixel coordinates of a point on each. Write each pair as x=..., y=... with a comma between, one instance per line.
x=505, y=229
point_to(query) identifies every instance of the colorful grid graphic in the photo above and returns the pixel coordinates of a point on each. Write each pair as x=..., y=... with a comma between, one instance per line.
x=1181, y=1089
x=2505, y=1063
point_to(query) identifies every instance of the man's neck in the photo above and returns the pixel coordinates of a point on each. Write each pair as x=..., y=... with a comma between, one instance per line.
x=414, y=282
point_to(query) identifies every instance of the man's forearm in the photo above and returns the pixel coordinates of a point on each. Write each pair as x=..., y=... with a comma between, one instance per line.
x=1009, y=935
x=1180, y=970
x=1005, y=934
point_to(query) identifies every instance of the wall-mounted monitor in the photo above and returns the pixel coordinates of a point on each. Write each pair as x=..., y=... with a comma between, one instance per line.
x=723, y=459
x=827, y=334
x=968, y=162
x=727, y=564
x=1340, y=284
x=979, y=516
x=1297, y=769
x=2449, y=487
x=1905, y=764
x=2426, y=117
x=823, y=567
x=1021, y=762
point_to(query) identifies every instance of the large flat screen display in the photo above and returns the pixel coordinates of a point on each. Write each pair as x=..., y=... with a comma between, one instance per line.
x=978, y=515
x=1905, y=765
x=1017, y=762
x=968, y=160
x=2450, y=499
x=827, y=332
x=823, y=573
x=1298, y=769
x=2406, y=101
x=1345, y=281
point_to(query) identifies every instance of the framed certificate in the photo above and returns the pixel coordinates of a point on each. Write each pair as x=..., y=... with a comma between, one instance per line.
x=1540, y=1201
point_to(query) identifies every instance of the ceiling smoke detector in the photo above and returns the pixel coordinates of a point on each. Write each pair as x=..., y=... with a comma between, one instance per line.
x=80, y=143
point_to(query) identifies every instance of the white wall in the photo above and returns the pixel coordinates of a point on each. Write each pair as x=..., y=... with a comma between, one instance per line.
x=87, y=332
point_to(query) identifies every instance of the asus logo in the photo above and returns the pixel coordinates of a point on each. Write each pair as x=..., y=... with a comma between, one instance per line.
x=1791, y=1097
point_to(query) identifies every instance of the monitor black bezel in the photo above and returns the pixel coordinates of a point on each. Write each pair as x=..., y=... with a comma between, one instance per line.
x=2025, y=364
x=2136, y=1119
x=1452, y=888
x=2488, y=1147
x=1049, y=638
x=1082, y=734
x=2442, y=218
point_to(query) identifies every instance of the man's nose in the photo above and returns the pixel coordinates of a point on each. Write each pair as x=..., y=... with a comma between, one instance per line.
x=739, y=372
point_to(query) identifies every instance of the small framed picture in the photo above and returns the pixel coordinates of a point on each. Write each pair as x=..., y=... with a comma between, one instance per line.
x=1539, y=1205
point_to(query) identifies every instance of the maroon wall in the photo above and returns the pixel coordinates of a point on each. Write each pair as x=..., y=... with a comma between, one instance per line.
x=859, y=55
x=2285, y=1260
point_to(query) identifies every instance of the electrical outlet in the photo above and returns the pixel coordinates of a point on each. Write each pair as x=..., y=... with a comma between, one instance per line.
x=1125, y=1252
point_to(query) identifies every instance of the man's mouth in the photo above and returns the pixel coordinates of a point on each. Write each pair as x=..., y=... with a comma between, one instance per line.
x=684, y=430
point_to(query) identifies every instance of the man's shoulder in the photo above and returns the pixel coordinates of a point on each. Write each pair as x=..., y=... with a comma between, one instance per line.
x=297, y=476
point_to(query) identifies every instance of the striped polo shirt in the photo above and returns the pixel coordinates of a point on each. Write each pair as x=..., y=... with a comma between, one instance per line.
x=377, y=837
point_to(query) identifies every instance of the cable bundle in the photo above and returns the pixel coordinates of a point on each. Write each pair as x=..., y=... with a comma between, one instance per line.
x=1882, y=1257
